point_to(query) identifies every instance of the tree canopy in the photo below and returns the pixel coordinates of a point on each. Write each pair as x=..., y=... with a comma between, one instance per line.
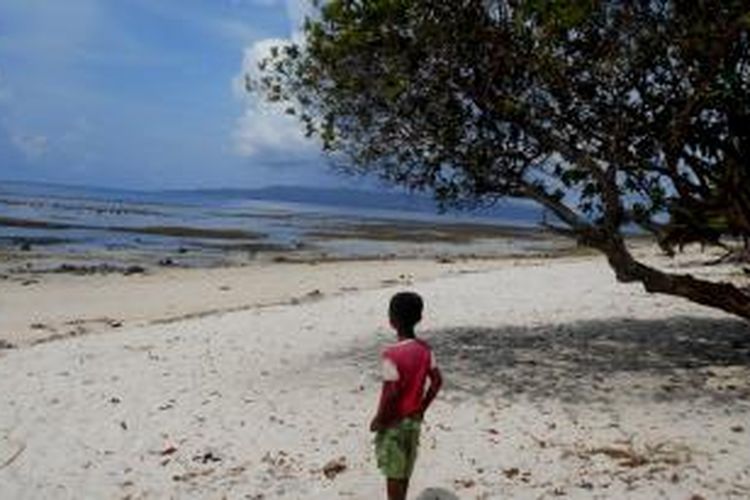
x=607, y=113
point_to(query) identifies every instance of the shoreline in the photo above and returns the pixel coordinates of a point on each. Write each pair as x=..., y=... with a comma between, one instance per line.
x=43, y=306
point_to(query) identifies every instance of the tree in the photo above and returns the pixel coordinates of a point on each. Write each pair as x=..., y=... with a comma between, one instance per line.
x=607, y=113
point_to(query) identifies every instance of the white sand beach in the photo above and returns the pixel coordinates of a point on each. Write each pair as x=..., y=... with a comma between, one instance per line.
x=37, y=307
x=559, y=383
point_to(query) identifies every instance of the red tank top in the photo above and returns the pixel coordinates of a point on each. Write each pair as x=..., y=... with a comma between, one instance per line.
x=407, y=363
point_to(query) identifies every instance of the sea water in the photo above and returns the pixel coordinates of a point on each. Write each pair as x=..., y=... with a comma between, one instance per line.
x=106, y=218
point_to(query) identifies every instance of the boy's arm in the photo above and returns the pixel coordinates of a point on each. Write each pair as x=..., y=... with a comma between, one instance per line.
x=386, y=407
x=436, y=382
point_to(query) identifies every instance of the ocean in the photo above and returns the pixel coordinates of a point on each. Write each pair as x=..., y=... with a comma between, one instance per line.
x=84, y=218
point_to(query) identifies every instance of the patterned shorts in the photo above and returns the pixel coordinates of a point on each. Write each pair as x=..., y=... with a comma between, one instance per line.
x=396, y=448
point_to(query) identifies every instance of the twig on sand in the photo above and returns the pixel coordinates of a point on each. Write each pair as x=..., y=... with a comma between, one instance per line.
x=14, y=456
x=626, y=454
x=625, y=457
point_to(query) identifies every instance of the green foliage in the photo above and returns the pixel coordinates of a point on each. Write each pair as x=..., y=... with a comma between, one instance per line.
x=605, y=112
x=556, y=15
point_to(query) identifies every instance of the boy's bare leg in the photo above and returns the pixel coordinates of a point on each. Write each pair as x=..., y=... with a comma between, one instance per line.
x=397, y=489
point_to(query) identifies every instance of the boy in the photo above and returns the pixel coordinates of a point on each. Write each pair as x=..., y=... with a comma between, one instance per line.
x=407, y=365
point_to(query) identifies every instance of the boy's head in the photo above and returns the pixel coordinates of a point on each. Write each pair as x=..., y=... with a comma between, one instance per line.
x=405, y=311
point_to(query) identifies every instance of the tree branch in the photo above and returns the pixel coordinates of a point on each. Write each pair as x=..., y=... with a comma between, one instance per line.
x=724, y=296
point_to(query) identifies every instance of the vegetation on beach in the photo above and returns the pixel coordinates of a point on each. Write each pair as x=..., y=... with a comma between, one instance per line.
x=606, y=113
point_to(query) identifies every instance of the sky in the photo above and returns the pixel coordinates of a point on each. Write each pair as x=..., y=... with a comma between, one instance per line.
x=147, y=94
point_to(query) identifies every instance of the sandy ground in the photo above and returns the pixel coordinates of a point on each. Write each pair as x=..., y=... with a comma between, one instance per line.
x=37, y=307
x=560, y=382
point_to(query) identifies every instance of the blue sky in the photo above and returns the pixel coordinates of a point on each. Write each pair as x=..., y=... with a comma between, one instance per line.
x=145, y=94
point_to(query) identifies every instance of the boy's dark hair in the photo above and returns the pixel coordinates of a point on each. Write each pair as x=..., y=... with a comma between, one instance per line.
x=405, y=310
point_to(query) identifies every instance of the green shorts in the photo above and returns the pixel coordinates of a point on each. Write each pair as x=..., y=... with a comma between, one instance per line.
x=396, y=448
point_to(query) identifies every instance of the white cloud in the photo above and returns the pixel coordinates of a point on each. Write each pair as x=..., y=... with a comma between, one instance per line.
x=297, y=11
x=33, y=146
x=264, y=128
x=253, y=55
x=50, y=39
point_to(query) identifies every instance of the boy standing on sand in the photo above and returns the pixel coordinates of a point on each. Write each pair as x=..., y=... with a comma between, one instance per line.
x=407, y=365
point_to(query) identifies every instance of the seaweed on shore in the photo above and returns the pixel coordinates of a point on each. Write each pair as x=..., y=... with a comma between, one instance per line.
x=32, y=224
x=417, y=232
x=191, y=232
x=171, y=231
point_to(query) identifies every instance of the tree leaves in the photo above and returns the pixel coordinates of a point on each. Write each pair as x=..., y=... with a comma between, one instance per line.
x=630, y=109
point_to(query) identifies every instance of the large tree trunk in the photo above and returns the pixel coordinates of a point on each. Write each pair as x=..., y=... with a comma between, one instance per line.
x=724, y=296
